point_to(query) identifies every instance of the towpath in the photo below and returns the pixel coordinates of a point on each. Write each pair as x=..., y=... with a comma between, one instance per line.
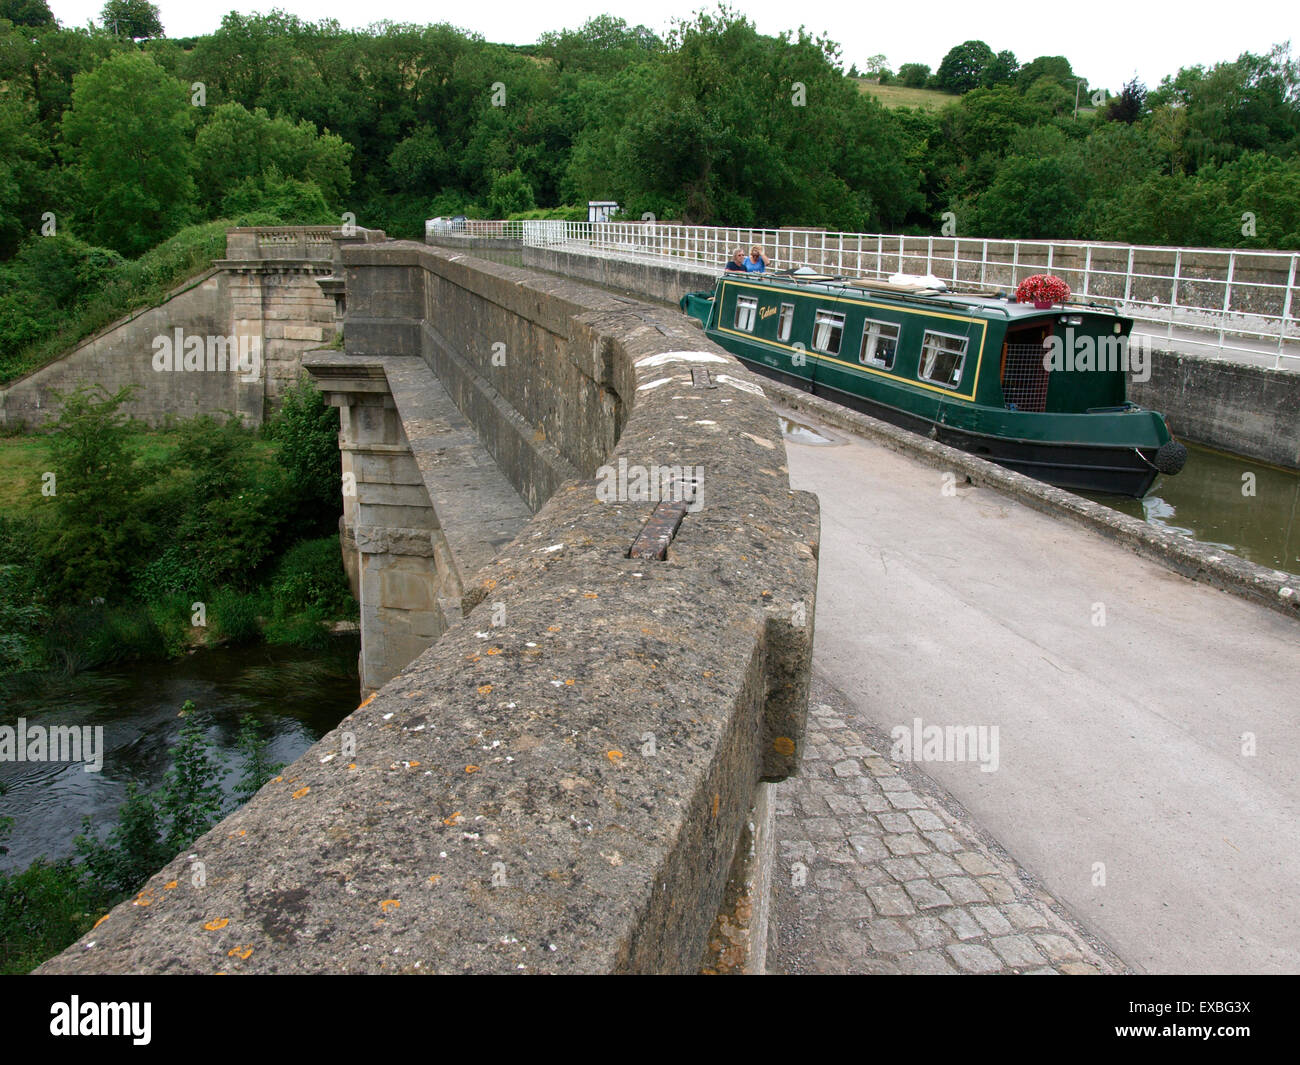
x=1147, y=728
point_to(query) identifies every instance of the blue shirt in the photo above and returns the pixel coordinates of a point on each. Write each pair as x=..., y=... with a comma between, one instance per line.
x=754, y=267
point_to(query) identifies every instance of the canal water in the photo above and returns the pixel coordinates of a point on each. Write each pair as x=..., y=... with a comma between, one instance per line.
x=1227, y=502
x=296, y=696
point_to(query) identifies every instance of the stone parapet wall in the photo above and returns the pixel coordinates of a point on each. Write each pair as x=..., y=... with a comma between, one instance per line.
x=564, y=781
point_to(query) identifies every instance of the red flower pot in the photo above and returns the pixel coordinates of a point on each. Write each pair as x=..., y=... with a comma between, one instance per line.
x=1043, y=305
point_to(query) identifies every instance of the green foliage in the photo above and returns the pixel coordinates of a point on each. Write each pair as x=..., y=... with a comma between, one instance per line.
x=27, y=13
x=306, y=435
x=963, y=67
x=510, y=193
x=94, y=529
x=236, y=145
x=258, y=767
x=21, y=620
x=310, y=577
x=133, y=849
x=128, y=132
x=191, y=796
x=236, y=617
x=235, y=506
x=295, y=202
x=914, y=75
x=42, y=909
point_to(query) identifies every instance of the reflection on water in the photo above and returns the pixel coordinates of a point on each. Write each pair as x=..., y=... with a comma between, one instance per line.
x=296, y=696
x=798, y=433
x=1226, y=502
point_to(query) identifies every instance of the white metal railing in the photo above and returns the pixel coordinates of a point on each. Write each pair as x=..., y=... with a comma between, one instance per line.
x=1221, y=299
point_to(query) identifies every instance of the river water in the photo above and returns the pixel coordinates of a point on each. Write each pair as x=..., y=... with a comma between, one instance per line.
x=296, y=695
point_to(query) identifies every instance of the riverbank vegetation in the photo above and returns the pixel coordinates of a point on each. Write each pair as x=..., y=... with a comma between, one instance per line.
x=47, y=906
x=121, y=543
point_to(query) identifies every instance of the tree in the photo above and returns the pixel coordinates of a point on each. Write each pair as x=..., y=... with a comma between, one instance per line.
x=236, y=144
x=1127, y=107
x=95, y=529
x=877, y=65
x=132, y=18
x=128, y=132
x=1001, y=70
x=914, y=75
x=510, y=194
x=35, y=13
x=1056, y=67
x=258, y=767
x=963, y=67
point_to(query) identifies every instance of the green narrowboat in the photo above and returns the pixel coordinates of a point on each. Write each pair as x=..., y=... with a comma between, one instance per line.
x=1040, y=390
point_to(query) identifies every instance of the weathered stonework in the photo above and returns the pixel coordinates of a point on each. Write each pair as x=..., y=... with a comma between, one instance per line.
x=561, y=783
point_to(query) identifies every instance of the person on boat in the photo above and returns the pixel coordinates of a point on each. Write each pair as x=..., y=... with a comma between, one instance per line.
x=757, y=261
x=737, y=260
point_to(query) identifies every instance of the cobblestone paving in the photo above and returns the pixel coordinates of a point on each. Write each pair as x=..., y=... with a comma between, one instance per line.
x=874, y=875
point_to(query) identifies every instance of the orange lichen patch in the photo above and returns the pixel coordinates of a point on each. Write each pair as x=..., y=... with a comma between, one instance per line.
x=352, y=765
x=489, y=584
x=552, y=628
x=99, y=922
x=614, y=756
x=388, y=905
x=716, y=799
x=590, y=595
x=471, y=769
x=472, y=658
x=277, y=780
x=435, y=878
x=242, y=832
x=485, y=689
x=411, y=765
x=242, y=953
x=494, y=650
x=302, y=791
x=708, y=672
x=367, y=700
x=452, y=819
x=218, y=924
x=570, y=681
x=170, y=885
x=143, y=899
x=783, y=745
x=765, y=594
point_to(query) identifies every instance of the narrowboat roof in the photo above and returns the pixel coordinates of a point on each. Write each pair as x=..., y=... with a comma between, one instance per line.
x=991, y=303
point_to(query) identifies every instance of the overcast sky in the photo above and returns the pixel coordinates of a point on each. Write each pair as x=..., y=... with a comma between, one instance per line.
x=1106, y=42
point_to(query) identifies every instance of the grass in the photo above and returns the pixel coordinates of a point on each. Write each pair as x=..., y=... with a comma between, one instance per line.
x=24, y=458
x=902, y=96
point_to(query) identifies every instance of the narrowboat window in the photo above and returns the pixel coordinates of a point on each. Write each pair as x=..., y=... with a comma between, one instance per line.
x=746, y=311
x=879, y=343
x=784, y=320
x=827, y=331
x=942, y=358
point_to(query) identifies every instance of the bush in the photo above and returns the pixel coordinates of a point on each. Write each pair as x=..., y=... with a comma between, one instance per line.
x=43, y=909
x=310, y=577
x=234, y=616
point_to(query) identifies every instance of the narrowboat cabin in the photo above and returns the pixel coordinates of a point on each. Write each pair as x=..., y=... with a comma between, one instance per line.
x=1038, y=389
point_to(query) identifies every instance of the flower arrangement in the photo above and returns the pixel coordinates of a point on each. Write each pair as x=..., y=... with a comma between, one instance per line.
x=1042, y=290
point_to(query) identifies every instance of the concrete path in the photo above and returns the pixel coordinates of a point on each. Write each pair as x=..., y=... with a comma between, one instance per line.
x=1147, y=728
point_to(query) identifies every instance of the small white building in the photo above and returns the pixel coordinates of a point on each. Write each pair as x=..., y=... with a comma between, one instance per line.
x=600, y=210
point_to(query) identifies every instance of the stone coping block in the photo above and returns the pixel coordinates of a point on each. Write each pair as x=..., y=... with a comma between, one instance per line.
x=561, y=782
